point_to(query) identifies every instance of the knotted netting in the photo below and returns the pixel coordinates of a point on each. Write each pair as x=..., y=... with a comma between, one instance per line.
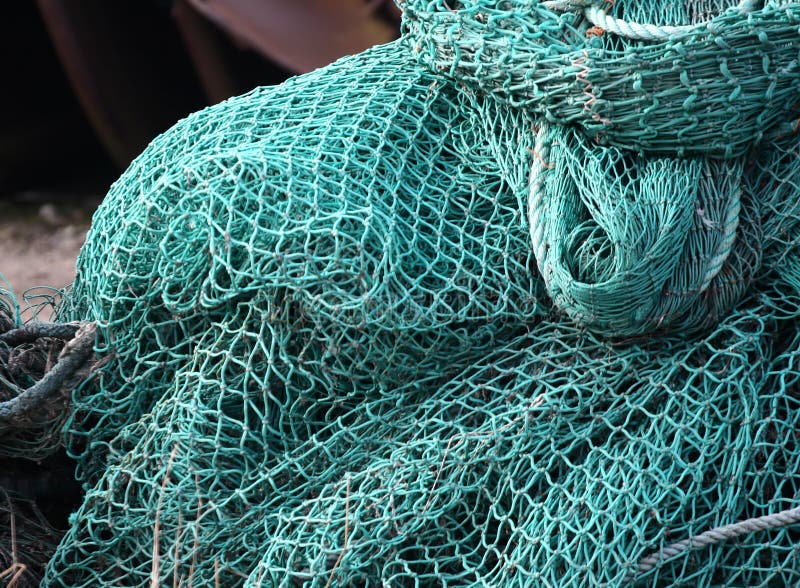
x=513, y=300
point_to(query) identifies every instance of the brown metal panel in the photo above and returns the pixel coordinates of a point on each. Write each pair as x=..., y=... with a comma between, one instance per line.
x=127, y=67
x=66, y=36
x=207, y=52
x=301, y=35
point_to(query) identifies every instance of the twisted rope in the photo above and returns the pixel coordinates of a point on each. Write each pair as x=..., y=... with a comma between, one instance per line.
x=633, y=30
x=725, y=248
x=539, y=165
x=717, y=535
x=33, y=331
x=26, y=409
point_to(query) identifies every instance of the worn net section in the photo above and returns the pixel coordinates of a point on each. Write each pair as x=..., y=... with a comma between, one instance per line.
x=22, y=365
x=712, y=89
x=357, y=207
x=384, y=326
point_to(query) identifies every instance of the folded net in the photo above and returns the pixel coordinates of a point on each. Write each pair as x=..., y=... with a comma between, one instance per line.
x=513, y=300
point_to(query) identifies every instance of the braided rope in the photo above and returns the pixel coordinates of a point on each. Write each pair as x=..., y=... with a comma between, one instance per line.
x=29, y=407
x=541, y=153
x=729, y=228
x=632, y=30
x=717, y=535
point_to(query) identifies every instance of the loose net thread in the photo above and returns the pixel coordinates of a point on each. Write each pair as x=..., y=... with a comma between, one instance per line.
x=335, y=361
x=28, y=541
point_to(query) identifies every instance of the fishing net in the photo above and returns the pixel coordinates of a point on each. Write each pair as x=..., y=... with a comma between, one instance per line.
x=27, y=541
x=711, y=77
x=23, y=362
x=513, y=300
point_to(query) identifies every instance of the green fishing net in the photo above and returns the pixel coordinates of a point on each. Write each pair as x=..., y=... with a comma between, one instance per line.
x=511, y=301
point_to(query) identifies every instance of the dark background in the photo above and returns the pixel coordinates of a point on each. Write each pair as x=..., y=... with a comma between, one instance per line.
x=88, y=83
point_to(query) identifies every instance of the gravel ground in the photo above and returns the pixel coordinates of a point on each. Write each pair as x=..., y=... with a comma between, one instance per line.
x=40, y=238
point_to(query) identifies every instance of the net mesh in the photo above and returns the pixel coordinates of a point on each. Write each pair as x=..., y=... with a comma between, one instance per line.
x=712, y=90
x=434, y=315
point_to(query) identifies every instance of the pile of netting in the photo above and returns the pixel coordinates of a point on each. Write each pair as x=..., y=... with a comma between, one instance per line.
x=514, y=300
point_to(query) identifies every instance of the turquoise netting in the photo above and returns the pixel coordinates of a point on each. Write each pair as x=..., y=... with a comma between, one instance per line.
x=512, y=301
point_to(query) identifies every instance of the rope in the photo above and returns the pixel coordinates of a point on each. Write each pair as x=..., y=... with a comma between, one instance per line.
x=723, y=252
x=718, y=535
x=33, y=331
x=536, y=221
x=30, y=407
x=633, y=30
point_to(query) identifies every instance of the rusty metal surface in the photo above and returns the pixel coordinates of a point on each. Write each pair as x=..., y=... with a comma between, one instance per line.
x=302, y=35
x=207, y=52
x=127, y=67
